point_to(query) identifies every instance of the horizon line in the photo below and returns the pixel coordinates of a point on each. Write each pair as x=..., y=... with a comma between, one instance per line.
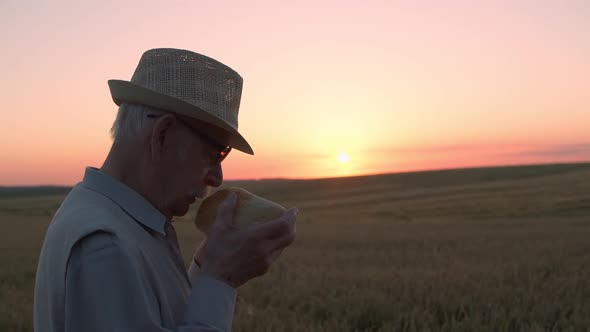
x=425, y=170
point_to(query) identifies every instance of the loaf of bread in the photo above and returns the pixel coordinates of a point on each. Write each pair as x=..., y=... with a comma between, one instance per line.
x=249, y=209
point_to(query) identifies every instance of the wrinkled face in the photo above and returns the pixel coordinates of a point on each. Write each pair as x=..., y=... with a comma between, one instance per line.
x=187, y=167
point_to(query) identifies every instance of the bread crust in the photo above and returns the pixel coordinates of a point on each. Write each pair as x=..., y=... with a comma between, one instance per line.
x=250, y=209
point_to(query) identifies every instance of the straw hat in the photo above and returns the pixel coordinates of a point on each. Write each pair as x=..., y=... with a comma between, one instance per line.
x=250, y=209
x=202, y=91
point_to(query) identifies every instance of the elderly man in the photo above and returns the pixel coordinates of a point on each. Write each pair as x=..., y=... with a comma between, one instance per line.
x=110, y=260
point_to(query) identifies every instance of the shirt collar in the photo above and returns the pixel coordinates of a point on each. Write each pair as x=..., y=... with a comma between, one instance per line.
x=129, y=200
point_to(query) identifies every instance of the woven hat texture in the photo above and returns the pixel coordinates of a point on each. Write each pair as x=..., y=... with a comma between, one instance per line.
x=189, y=84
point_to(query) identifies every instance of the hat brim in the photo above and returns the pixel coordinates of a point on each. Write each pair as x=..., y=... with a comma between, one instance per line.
x=124, y=91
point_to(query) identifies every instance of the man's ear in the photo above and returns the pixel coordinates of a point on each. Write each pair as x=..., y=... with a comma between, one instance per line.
x=161, y=134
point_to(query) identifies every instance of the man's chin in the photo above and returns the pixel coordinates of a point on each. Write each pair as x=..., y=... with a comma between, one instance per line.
x=181, y=210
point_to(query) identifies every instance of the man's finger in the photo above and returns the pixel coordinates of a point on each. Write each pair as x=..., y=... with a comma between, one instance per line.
x=281, y=242
x=276, y=228
x=225, y=210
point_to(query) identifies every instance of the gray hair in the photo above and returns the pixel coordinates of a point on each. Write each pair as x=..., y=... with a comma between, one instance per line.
x=132, y=120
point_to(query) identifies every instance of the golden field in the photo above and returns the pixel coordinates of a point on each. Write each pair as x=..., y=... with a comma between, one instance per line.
x=489, y=249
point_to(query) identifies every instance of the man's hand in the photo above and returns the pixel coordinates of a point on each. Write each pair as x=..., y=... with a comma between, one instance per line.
x=236, y=255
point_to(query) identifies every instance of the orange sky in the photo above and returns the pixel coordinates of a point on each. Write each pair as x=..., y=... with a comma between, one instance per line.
x=397, y=85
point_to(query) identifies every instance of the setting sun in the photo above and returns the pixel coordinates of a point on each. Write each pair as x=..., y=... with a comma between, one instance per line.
x=342, y=157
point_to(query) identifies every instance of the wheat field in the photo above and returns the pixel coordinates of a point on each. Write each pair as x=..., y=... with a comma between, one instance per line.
x=490, y=249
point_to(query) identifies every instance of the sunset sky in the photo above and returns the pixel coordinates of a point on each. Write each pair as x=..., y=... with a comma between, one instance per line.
x=331, y=88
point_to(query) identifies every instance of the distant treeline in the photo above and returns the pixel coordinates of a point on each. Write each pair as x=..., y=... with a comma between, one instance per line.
x=10, y=192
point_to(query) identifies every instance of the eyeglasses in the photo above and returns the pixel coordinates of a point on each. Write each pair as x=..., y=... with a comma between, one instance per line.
x=221, y=151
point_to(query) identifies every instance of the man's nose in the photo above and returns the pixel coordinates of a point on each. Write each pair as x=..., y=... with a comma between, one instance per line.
x=214, y=176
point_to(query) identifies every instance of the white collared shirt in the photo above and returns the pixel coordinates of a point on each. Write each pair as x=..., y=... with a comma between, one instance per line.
x=106, y=266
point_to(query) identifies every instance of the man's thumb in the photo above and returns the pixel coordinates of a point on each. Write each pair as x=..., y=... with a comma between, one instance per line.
x=225, y=210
